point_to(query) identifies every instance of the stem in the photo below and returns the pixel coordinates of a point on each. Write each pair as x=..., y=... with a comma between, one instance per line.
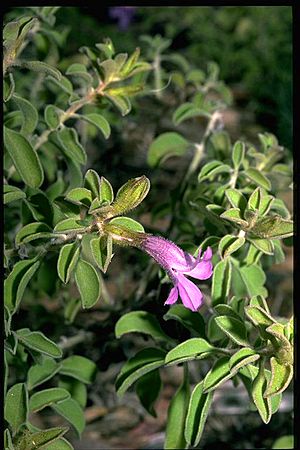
x=88, y=98
x=157, y=75
x=67, y=343
x=233, y=179
x=199, y=153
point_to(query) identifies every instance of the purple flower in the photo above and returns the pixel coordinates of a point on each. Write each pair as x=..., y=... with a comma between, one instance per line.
x=178, y=263
x=124, y=14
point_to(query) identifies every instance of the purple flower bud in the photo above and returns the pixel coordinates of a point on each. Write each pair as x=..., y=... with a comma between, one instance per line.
x=178, y=263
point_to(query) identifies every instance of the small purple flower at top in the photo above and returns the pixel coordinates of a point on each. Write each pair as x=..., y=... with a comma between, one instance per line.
x=178, y=263
x=124, y=15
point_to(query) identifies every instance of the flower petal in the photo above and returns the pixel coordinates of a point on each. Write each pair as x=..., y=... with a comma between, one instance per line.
x=190, y=294
x=202, y=271
x=173, y=296
x=204, y=268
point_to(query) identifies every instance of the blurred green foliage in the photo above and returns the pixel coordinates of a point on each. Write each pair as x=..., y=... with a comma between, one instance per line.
x=252, y=45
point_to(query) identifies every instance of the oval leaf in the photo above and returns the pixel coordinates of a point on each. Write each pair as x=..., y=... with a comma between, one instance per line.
x=16, y=283
x=99, y=121
x=40, y=373
x=221, y=282
x=187, y=350
x=166, y=145
x=67, y=260
x=39, y=342
x=88, y=283
x=281, y=376
x=177, y=416
x=143, y=362
x=24, y=158
x=197, y=414
x=71, y=411
x=16, y=406
x=234, y=329
x=140, y=322
x=47, y=397
x=80, y=368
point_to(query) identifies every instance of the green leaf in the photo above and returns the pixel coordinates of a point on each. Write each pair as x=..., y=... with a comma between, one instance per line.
x=230, y=244
x=265, y=204
x=79, y=70
x=191, y=349
x=258, y=178
x=236, y=198
x=101, y=249
x=228, y=310
x=12, y=193
x=254, y=199
x=284, y=442
x=71, y=411
x=38, y=373
x=238, y=154
x=128, y=223
x=80, y=368
x=79, y=196
x=177, y=416
x=17, y=281
x=140, y=322
x=262, y=404
x=278, y=331
x=24, y=158
x=197, y=414
x=69, y=141
x=187, y=111
x=67, y=260
x=8, y=87
x=8, y=443
x=69, y=225
x=187, y=318
x=234, y=329
x=92, y=183
x=221, y=282
x=211, y=169
x=273, y=227
x=281, y=376
x=47, y=397
x=248, y=281
x=29, y=112
x=99, y=121
x=263, y=245
x=121, y=102
x=39, y=342
x=234, y=215
x=218, y=374
x=76, y=388
x=32, y=231
x=106, y=190
x=16, y=406
x=259, y=317
x=241, y=358
x=88, y=283
x=40, y=66
x=279, y=207
x=40, y=207
x=47, y=439
x=165, y=146
x=149, y=396
x=143, y=362
x=52, y=116
x=259, y=300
